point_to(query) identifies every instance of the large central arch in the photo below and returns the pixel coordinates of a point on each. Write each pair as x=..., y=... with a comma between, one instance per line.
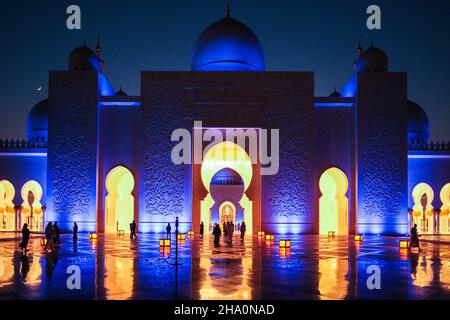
x=31, y=210
x=119, y=202
x=333, y=204
x=226, y=155
x=423, y=210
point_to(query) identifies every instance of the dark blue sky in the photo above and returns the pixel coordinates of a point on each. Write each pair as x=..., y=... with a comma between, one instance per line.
x=297, y=35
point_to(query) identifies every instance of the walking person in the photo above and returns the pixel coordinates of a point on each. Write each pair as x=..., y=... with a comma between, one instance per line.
x=202, y=229
x=25, y=238
x=75, y=231
x=224, y=229
x=217, y=233
x=49, y=237
x=177, y=223
x=168, y=230
x=243, y=230
x=56, y=233
x=414, y=241
x=133, y=230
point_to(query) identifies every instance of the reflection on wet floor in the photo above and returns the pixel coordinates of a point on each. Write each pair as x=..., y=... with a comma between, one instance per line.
x=314, y=268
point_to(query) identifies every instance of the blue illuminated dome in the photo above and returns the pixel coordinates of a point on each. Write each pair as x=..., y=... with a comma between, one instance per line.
x=418, y=124
x=372, y=60
x=83, y=58
x=228, y=45
x=37, y=121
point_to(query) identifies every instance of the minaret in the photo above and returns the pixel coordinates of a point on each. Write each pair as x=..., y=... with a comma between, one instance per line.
x=228, y=9
x=359, y=52
x=98, y=51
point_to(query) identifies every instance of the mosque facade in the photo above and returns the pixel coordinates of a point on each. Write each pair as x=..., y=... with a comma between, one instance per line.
x=356, y=162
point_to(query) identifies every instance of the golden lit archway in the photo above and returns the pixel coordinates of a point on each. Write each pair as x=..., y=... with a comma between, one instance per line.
x=31, y=209
x=333, y=204
x=119, y=201
x=445, y=210
x=7, y=212
x=227, y=212
x=423, y=210
x=226, y=155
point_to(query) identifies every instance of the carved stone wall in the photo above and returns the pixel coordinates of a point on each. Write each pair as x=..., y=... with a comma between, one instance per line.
x=382, y=153
x=72, y=148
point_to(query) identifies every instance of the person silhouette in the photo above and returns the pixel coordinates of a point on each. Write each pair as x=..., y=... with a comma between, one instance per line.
x=217, y=233
x=414, y=241
x=177, y=223
x=243, y=230
x=75, y=231
x=56, y=233
x=202, y=229
x=133, y=230
x=49, y=237
x=25, y=238
x=168, y=230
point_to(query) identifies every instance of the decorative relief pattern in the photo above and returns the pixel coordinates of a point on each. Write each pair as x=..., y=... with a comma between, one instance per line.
x=382, y=148
x=72, y=142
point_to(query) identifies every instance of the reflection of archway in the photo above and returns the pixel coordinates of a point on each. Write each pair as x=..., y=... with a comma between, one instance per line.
x=7, y=212
x=227, y=213
x=119, y=201
x=333, y=204
x=31, y=210
x=445, y=210
x=423, y=196
x=226, y=155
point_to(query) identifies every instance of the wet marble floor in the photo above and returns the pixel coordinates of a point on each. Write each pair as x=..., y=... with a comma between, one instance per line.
x=314, y=268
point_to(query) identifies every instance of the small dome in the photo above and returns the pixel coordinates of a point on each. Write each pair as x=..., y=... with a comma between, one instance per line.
x=227, y=176
x=228, y=45
x=373, y=60
x=83, y=58
x=37, y=121
x=335, y=94
x=418, y=124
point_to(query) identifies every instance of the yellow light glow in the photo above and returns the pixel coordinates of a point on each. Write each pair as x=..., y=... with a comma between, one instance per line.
x=358, y=238
x=445, y=210
x=270, y=237
x=331, y=234
x=164, y=242
x=226, y=155
x=423, y=191
x=285, y=243
x=119, y=277
x=93, y=235
x=7, y=212
x=43, y=241
x=191, y=233
x=404, y=244
x=181, y=236
x=261, y=233
x=31, y=212
x=120, y=232
x=119, y=202
x=333, y=205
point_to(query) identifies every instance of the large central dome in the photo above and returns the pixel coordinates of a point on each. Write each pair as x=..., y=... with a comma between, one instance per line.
x=228, y=45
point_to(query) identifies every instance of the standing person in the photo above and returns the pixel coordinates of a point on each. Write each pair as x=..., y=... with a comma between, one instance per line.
x=202, y=229
x=133, y=230
x=224, y=229
x=168, y=230
x=238, y=227
x=414, y=242
x=25, y=238
x=177, y=223
x=229, y=232
x=217, y=233
x=49, y=237
x=243, y=229
x=56, y=233
x=75, y=231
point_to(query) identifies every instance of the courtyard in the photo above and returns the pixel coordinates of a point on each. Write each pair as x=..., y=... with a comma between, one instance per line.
x=314, y=268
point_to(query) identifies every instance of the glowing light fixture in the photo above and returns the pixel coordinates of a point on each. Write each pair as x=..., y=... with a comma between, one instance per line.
x=164, y=243
x=43, y=241
x=93, y=235
x=191, y=233
x=285, y=243
x=358, y=238
x=261, y=234
x=404, y=244
x=331, y=234
x=120, y=232
x=181, y=236
x=270, y=237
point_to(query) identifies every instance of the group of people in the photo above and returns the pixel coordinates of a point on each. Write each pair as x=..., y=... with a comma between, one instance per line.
x=228, y=231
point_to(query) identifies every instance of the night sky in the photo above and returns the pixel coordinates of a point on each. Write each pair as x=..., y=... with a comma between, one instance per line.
x=297, y=35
